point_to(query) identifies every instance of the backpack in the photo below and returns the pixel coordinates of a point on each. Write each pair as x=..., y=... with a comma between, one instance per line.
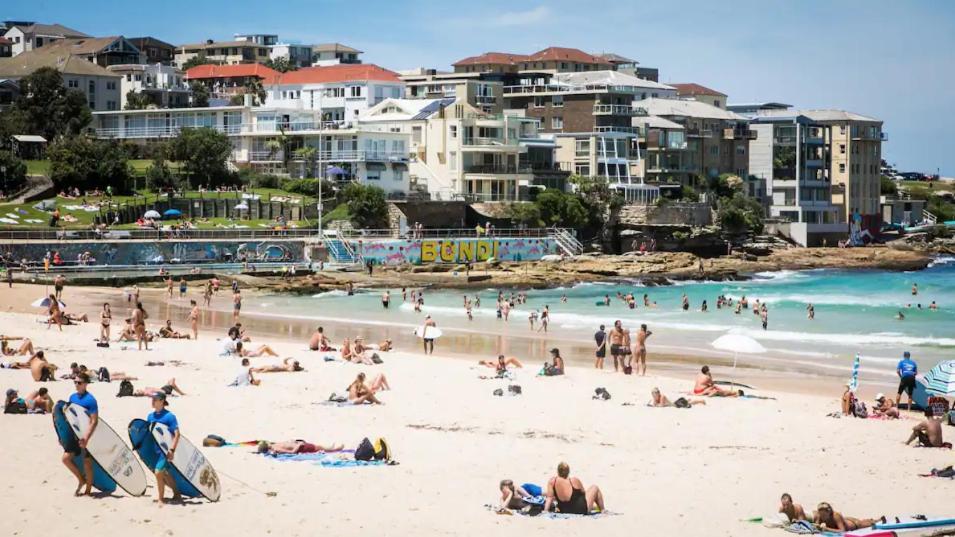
x=376, y=359
x=102, y=375
x=382, y=451
x=125, y=389
x=499, y=392
x=514, y=389
x=627, y=370
x=16, y=407
x=601, y=394
x=365, y=451
x=859, y=410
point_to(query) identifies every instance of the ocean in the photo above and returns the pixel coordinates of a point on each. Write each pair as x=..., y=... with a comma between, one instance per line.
x=855, y=313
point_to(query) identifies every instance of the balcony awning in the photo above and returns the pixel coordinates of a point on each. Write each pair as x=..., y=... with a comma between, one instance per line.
x=538, y=143
x=29, y=138
x=400, y=166
x=375, y=166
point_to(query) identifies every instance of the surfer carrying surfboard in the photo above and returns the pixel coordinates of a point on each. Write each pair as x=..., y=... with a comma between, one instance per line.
x=161, y=414
x=86, y=400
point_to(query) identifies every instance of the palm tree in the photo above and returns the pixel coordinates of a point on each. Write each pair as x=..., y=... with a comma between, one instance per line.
x=254, y=87
x=273, y=146
x=307, y=154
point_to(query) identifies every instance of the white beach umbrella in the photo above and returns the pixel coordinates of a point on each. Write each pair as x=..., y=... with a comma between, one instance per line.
x=152, y=214
x=45, y=303
x=737, y=343
x=241, y=206
x=941, y=379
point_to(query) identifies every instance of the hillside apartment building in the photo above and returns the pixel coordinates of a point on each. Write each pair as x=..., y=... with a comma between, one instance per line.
x=100, y=86
x=223, y=52
x=27, y=36
x=164, y=85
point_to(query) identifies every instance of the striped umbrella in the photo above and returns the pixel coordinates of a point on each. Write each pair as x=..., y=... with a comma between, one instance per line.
x=854, y=383
x=941, y=379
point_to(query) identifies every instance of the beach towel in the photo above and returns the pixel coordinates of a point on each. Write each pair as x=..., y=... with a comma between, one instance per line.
x=549, y=515
x=341, y=459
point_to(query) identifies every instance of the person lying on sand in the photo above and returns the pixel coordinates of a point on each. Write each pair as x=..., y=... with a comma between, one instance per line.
x=319, y=342
x=25, y=347
x=885, y=407
x=360, y=393
x=928, y=432
x=295, y=447
x=829, y=519
x=262, y=349
x=168, y=333
x=657, y=399
x=288, y=366
x=512, y=496
x=129, y=333
x=77, y=370
x=569, y=495
x=793, y=511
x=170, y=388
x=501, y=364
x=705, y=386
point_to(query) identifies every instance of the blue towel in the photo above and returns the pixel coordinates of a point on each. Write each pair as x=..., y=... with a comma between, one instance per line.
x=340, y=459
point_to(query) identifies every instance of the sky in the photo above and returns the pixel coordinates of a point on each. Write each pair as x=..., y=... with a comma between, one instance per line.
x=890, y=59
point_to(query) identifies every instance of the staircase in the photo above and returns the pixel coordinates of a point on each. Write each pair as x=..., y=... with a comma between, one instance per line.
x=341, y=252
x=929, y=218
x=568, y=244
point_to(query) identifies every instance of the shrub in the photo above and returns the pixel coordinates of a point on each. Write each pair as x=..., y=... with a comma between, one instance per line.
x=13, y=173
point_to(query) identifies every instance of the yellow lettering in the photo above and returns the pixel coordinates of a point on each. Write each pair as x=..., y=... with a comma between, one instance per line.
x=448, y=250
x=484, y=250
x=429, y=251
x=467, y=251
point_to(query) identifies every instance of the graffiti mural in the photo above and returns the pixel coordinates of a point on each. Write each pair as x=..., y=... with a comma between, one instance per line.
x=159, y=252
x=416, y=252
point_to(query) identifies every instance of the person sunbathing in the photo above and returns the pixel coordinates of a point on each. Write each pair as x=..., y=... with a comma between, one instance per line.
x=346, y=350
x=793, y=511
x=829, y=519
x=39, y=401
x=170, y=388
x=39, y=367
x=885, y=407
x=657, y=399
x=705, y=386
x=25, y=348
x=261, y=350
x=556, y=367
x=319, y=342
x=569, y=494
x=501, y=364
x=129, y=333
x=928, y=432
x=385, y=346
x=77, y=370
x=296, y=447
x=359, y=393
x=287, y=366
x=513, y=496
x=360, y=353
x=168, y=333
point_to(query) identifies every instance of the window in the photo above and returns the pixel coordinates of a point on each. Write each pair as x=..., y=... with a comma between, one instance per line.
x=558, y=101
x=92, y=86
x=582, y=170
x=453, y=161
x=72, y=83
x=416, y=135
x=842, y=167
x=583, y=148
x=356, y=91
x=454, y=131
x=842, y=149
x=714, y=150
x=716, y=103
x=842, y=129
x=110, y=85
x=374, y=175
x=557, y=122
x=539, y=102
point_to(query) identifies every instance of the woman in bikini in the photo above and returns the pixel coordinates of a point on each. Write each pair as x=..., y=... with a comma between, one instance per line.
x=569, y=495
x=104, y=319
x=705, y=386
x=288, y=366
x=56, y=316
x=25, y=348
x=829, y=519
x=359, y=393
x=346, y=350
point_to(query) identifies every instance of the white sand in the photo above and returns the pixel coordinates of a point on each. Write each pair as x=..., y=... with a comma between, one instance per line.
x=664, y=471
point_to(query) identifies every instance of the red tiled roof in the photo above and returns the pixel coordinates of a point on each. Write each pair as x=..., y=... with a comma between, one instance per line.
x=5, y=41
x=334, y=73
x=695, y=89
x=493, y=58
x=229, y=71
x=565, y=54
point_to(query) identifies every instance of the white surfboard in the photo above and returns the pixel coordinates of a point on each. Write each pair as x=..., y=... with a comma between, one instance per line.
x=429, y=332
x=108, y=449
x=190, y=462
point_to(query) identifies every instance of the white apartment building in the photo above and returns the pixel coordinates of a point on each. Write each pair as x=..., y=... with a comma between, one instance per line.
x=99, y=86
x=337, y=92
x=327, y=54
x=341, y=152
x=297, y=55
x=165, y=85
x=24, y=38
x=458, y=151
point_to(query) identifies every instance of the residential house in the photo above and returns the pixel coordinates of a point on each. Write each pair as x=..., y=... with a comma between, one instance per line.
x=333, y=54
x=480, y=90
x=223, y=52
x=793, y=153
x=589, y=114
x=337, y=92
x=700, y=93
x=263, y=40
x=549, y=60
x=6, y=47
x=631, y=67
x=100, y=86
x=297, y=55
x=711, y=142
x=154, y=50
x=164, y=85
x=27, y=36
x=227, y=81
x=750, y=109
x=270, y=139
x=102, y=51
x=461, y=152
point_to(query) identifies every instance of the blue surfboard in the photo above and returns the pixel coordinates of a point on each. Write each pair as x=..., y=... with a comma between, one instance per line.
x=145, y=446
x=67, y=437
x=915, y=524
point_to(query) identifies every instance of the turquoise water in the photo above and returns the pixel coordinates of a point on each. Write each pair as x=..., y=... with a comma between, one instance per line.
x=855, y=312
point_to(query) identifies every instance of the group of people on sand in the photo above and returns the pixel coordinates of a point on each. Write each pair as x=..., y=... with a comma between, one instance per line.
x=356, y=351
x=824, y=518
x=624, y=349
x=563, y=494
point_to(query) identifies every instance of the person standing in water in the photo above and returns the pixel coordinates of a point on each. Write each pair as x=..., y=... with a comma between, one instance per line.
x=811, y=312
x=182, y=287
x=428, y=341
x=545, y=319
x=385, y=299
x=77, y=447
x=915, y=289
x=163, y=478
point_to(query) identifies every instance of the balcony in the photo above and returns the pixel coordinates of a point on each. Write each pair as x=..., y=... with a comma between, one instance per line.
x=171, y=131
x=738, y=134
x=334, y=156
x=498, y=169
x=617, y=128
x=614, y=110
x=698, y=133
x=476, y=141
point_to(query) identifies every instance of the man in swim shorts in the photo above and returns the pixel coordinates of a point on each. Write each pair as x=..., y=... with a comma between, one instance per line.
x=907, y=370
x=296, y=447
x=163, y=478
x=616, y=344
x=77, y=447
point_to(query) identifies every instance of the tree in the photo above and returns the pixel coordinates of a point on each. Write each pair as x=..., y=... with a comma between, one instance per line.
x=195, y=61
x=13, y=173
x=526, y=214
x=740, y=213
x=46, y=107
x=888, y=187
x=254, y=88
x=137, y=101
x=366, y=204
x=159, y=177
x=280, y=64
x=307, y=154
x=200, y=95
x=86, y=164
x=558, y=208
x=203, y=153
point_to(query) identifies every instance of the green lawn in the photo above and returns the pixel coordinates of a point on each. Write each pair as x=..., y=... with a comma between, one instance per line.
x=338, y=213
x=38, y=167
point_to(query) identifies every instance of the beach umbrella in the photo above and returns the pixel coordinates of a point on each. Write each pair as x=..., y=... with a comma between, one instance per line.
x=45, y=303
x=151, y=214
x=241, y=206
x=941, y=379
x=335, y=170
x=172, y=213
x=737, y=343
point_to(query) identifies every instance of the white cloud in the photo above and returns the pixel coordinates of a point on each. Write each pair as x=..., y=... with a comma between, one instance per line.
x=520, y=18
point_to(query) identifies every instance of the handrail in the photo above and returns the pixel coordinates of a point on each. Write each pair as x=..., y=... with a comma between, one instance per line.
x=153, y=234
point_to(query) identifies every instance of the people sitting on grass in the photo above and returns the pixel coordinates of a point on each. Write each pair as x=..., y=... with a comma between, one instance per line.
x=706, y=387
x=793, y=511
x=289, y=365
x=657, y=399
x=255, y=353
x=294, y=447
x=928, y=432
x=500, y=366
x=168, y=332
x=570, y=496
x=828, y=519
x=360, y=393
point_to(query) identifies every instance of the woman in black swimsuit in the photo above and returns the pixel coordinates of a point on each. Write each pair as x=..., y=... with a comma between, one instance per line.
x=570, y=496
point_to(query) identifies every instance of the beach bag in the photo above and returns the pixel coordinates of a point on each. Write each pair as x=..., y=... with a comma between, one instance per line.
x=125, y=389
x=859, y=410
x=514, y=389
x=382, y=451
x=336, y=398
x=103, y=344
x=376, y=359
x=213, y=440
x=499, y=392
x=627, y=370
x=681, y=403
x=365, y=451
x=102, y=375
x=601, y=394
